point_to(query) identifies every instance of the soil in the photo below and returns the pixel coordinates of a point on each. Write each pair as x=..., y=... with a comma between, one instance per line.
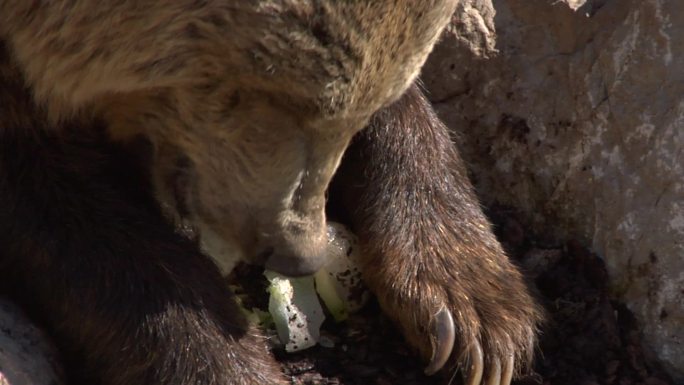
x=589, y=338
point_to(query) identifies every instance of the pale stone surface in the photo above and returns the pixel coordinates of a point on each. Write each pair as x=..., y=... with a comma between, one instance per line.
x=26, y=356
x=573, y=112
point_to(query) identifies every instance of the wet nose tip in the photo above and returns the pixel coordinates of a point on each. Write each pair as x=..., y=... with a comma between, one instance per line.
x=299, y=247
x=300, y=255
x=294, y=265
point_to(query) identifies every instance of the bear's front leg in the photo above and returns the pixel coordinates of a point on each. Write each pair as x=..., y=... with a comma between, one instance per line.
x=430, y=255
x=87, y=254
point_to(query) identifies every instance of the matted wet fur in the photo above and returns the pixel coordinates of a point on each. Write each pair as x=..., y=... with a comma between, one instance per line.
x=247, y=130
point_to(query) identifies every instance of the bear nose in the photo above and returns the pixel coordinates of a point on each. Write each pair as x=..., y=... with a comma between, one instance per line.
x=298, y=253
x=294, y=265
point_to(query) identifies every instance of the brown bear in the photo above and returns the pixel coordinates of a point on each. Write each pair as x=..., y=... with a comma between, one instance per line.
x=248, y=107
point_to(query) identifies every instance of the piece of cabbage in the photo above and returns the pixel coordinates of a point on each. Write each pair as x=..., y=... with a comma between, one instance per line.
x=295, y=309
x=294, y=305
x=339, y=282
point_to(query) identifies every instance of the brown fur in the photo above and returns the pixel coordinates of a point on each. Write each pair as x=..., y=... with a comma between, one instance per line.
x=261, y=97
x=249, y=107
x=85, y=251
x=425, y=238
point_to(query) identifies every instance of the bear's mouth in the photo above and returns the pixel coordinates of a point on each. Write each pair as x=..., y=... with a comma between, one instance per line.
x=218, y=241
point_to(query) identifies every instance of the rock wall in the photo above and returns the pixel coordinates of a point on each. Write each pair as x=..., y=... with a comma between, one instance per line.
x=26, y=355
x=572, y=111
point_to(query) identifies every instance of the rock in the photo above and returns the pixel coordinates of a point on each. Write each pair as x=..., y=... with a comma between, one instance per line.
x=26, y=355
x=572, y=112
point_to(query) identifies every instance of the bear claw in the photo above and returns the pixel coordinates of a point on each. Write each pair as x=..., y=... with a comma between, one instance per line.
x=498, y=374
x=476, y=365
x=508, y=370
x=442, y=336
x=494, y=375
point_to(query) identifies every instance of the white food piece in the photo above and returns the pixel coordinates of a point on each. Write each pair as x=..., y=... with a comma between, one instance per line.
x=339, y=282
x=296, y=311
x=294, y=305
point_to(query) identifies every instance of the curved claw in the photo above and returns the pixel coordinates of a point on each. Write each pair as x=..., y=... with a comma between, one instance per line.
x=442, y=337
x=494, y=375
x=476, y=365
x=508, y=370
